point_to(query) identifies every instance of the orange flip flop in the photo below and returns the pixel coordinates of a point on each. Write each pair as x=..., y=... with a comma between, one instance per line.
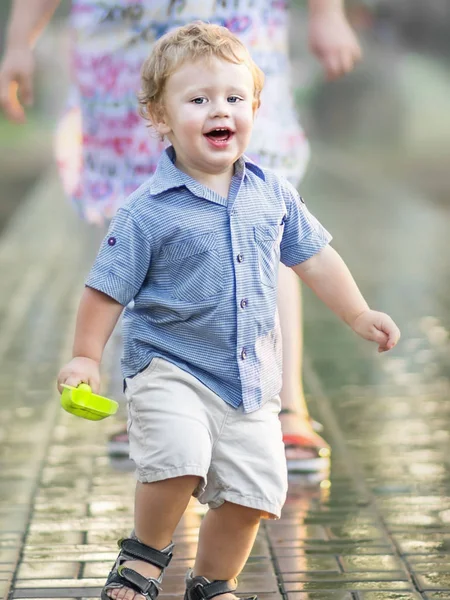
x=320, y=455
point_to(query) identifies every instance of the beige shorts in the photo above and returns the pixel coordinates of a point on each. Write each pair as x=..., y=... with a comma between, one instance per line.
x=177, y=426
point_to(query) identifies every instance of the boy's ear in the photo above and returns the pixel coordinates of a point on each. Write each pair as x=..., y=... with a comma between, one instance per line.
x=159, y=120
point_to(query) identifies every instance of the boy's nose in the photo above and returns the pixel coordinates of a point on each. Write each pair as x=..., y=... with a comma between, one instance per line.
x=220, y=109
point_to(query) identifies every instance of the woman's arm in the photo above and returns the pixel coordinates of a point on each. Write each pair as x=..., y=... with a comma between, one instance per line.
x=27, y=20
x=331, y=38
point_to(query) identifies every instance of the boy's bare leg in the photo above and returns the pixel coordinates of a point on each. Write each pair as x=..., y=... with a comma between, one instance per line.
x=292, y=395
x=159, y=507
x=226, y=538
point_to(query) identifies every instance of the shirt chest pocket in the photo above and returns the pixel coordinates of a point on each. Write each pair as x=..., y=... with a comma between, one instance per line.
x=194, y=268
x=267, y=239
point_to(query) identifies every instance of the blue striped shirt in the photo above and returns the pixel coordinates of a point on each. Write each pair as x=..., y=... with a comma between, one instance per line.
x=202, y=272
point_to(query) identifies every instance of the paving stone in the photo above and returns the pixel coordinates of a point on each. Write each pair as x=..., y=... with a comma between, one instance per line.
x=428, y=564
x=280, y=534
x=423, y=543
x=289, y=578
x=437, y=596
x=56, y=583
x=47, y=538
x=308, y=562
x=346, y=585
x=78, y=553
x=5, y=586
x=60, y=594
x=335, y=595
x=9, y=554
x=353, y=563
x=48, y=569
x=7, y=568
x=358, y=531
x=433, y=581
x=388, y=596
x=308, y=547
x=16, y=521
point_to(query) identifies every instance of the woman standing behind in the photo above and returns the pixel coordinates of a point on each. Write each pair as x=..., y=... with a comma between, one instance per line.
x=107, y=151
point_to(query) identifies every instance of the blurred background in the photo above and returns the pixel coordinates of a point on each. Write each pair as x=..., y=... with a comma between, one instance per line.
x=392, y=109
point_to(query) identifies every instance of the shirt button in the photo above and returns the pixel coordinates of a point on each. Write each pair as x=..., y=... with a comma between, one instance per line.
x=244, y=303
x=244, y=353
x=240, y=258
x=112, y=241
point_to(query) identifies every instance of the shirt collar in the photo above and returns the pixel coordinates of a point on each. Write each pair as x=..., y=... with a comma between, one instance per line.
x=168, y=177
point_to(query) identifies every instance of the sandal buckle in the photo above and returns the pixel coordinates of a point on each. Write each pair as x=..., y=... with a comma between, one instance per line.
x=199, y=591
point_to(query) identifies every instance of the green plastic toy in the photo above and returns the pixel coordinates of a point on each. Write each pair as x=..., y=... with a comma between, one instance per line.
x=80, y=401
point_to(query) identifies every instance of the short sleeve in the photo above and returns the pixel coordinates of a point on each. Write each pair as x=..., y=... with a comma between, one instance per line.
x=303, y=235
x=123, y=260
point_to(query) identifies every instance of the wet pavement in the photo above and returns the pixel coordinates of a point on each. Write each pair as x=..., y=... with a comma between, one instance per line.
x=378, y=528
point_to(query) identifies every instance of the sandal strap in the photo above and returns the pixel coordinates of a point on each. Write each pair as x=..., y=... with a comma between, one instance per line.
x=133, y=549
x=147, y=587
x=202, y=589
x=131, y=579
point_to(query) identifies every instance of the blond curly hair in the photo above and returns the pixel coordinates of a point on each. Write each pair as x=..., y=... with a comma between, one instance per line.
x=191, y=42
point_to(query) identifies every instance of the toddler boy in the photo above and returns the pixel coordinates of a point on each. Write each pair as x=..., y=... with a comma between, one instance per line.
x=197, y=249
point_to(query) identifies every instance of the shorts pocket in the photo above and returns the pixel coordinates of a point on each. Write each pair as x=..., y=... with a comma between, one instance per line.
x=130, y=416
x=267, y=238
x=132, y=383
x=194, y=267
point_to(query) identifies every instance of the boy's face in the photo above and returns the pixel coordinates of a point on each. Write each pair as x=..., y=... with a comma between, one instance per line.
x=208, y=114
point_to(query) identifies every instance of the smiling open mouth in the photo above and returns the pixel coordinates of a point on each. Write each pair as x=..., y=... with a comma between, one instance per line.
x=220, y=134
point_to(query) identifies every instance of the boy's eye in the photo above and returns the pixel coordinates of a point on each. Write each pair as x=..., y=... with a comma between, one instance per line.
x=198, y=100
x=233, y=99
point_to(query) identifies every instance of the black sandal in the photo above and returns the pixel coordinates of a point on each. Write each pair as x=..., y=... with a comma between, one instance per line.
x=120, y=576
x=200, y=588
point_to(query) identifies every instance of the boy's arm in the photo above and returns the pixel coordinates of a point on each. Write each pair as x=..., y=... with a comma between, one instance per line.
x=329, y=278
x=27, y=20
x=331, y=38
x=96, y=319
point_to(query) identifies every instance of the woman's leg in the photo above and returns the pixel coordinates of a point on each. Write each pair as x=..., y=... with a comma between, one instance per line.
x=296, y=420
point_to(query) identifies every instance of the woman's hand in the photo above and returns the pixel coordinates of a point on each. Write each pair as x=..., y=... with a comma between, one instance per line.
x=333, y=42
x=80, y=370
x=377, y=327
x=16, y=82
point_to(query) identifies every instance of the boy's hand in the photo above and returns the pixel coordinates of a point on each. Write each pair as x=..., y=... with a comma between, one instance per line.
x=333, y=42
x=80, y=370
x=377, y=327
x=16, y=83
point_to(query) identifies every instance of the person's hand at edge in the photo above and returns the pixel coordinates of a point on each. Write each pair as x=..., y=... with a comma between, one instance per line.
x=16, y=83
x=333, y=41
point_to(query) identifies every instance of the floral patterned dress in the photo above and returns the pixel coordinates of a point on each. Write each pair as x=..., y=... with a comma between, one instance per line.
x=105, y=150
